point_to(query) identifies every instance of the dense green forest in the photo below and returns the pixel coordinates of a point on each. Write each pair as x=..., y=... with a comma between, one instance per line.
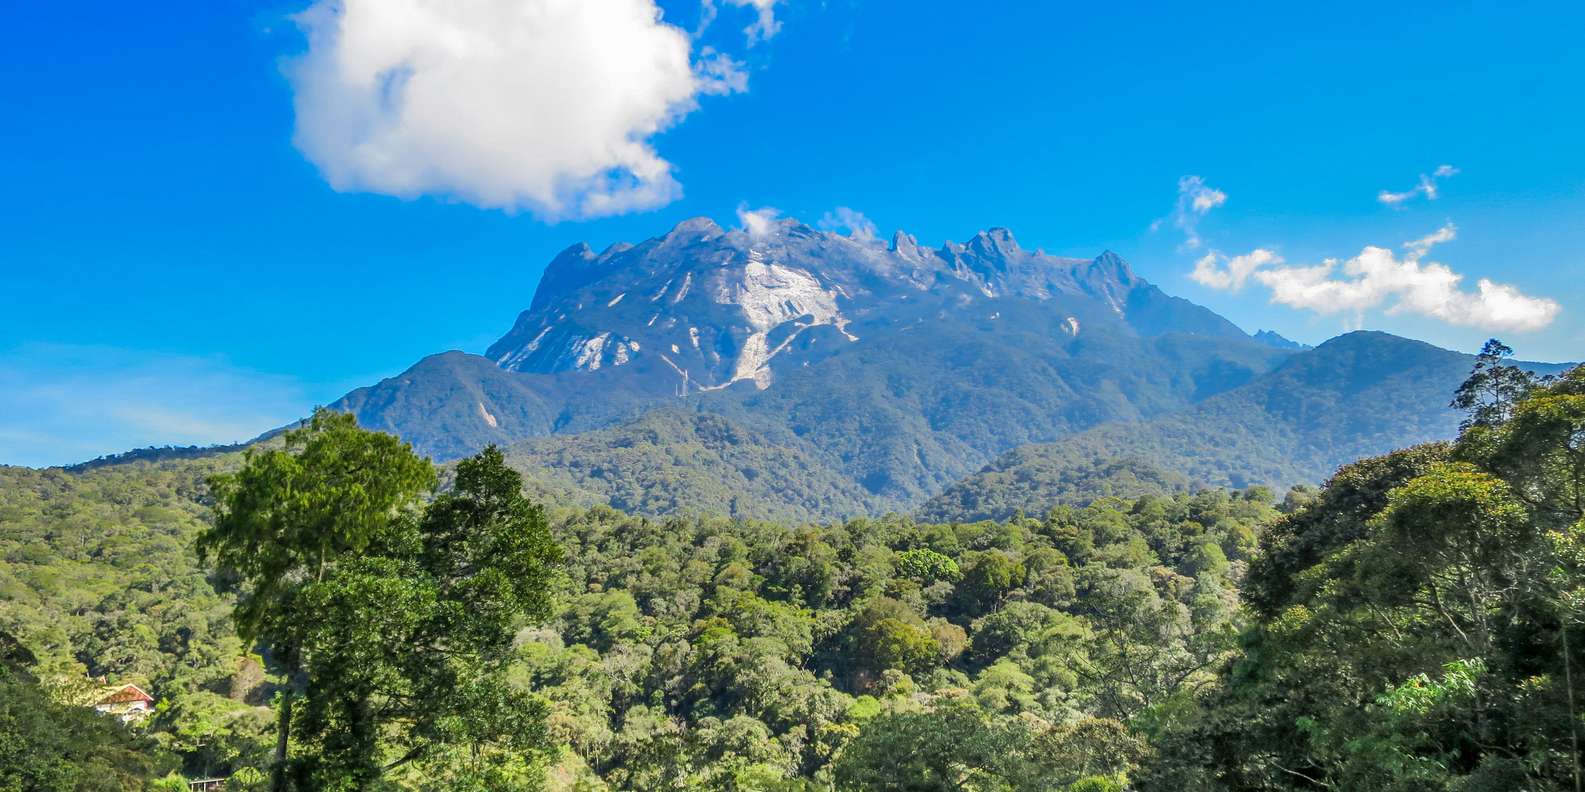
x=677, y=462
x=1411, y=625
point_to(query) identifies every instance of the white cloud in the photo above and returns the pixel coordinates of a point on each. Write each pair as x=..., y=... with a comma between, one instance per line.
x=1378, y=278
x=1235, y=273
x=852, y=221
x=719, y=73
x=1427, y=187
x=542, y=105
x=764, y=26
x=61, y=403
x=1419, y=247
x=1195, y=199
x=759, y=223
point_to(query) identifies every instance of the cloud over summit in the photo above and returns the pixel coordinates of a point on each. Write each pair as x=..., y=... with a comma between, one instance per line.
x=844, y=218
x=759, y=223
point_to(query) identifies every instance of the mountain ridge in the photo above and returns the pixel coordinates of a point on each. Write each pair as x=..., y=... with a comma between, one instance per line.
x=1356, y=395
x=701, y=310
x=889, y=373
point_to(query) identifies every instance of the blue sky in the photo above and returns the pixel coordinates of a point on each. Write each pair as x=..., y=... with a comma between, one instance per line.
x=206, y=228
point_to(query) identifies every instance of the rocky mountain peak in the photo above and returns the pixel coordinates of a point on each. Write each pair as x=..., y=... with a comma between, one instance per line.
x=570, y=269
x=1114, y=265
x=1109, y=276
x=995, y=243
x=709, y=307
x=695, y=228
x=906, y=246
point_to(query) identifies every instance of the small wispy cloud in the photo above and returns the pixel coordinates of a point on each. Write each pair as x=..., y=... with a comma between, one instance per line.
x=1426, y=188
x=852, y=221
x=1379, y=278
x=1195, y=200
x=720, y=73
x=759, y=223
x=63, y=403
x=1419, y=247
x=764, y=27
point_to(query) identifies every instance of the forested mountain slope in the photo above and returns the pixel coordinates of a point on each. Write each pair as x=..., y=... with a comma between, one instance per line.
x=452, y=404
x=884, y=426
x=677, y=462
x=1357, y=395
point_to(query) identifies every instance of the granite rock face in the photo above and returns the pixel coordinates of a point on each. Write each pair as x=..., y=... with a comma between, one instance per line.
x=719, y=307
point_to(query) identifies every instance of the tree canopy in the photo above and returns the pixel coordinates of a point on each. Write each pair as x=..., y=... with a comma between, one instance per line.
x=1414, y=624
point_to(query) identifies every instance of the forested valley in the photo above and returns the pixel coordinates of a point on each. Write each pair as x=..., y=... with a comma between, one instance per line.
x=330, y=611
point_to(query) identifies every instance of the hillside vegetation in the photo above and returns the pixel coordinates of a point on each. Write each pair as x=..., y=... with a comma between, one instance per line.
x=1357, y=395
x=718, y=653
x=675, y=462
x=1415, y=624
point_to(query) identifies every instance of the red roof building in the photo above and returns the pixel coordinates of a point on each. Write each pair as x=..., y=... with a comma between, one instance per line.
x=127, y=702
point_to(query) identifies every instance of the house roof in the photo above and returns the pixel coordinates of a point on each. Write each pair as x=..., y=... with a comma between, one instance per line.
x=120, y=694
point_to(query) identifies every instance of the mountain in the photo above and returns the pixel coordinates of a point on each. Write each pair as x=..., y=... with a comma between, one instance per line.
x=800, y=374
x=453, y=404
x=1276, y=340
x=1357, y=395
x=895, y=367
x=722, y=307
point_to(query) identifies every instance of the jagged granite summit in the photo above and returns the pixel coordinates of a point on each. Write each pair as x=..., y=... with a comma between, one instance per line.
x=718, y=307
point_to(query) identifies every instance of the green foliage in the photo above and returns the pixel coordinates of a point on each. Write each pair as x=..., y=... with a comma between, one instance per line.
x=703, y=652
x=927, y=566
x=677, y=462
x=98, y=574
x=954, y=744
x=288, y=516
x=49, y=746
x=1096, y=784
x=1493, y=388
x=988, y=576
x=400, y=623
x=1015, y=627
x=888, y=635
x=213, y=733
x=1417, y=621
x=291, y=511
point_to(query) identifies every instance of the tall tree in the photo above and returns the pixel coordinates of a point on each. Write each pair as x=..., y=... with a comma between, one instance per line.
x=407, y=645
x=291, y=514
x=1493, y=388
